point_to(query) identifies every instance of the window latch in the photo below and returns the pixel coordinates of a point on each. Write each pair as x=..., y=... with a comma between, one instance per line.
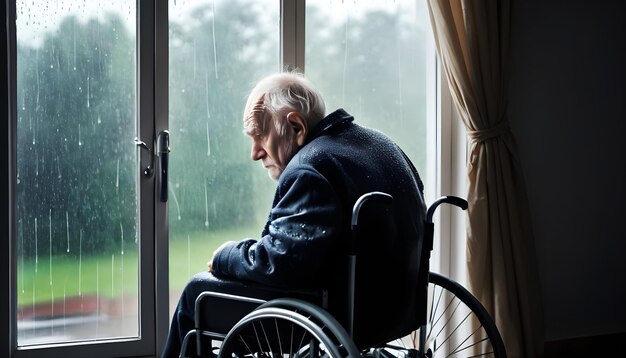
x=147, y=171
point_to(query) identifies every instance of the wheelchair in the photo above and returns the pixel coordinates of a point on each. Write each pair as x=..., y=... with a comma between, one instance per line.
x=278, y=323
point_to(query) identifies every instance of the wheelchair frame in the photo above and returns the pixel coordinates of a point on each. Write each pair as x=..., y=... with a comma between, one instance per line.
x=243, y=329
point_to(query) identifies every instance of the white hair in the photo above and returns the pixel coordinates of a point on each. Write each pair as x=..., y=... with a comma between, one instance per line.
x=282, y=93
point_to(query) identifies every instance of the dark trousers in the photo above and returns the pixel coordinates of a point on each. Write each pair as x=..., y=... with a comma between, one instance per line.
x=183, y=318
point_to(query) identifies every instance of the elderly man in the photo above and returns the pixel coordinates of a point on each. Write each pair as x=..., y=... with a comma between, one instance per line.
x=323, y=164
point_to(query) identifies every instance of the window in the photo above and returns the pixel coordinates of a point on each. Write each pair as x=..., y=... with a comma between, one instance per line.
x=373, y=58
x=376, y=59
x=217, y=48
x=81, y=279
x=97, y=260
x=75, y=193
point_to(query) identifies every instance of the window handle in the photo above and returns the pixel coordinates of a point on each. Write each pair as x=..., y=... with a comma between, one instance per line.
x=163, y=150
x=147, y=171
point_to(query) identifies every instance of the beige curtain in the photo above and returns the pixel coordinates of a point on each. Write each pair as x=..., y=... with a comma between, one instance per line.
x=472, y=42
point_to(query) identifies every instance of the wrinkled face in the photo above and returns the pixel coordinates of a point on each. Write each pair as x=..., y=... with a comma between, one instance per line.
x=273, y=149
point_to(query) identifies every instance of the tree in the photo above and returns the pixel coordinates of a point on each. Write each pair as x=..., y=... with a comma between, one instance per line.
x=213, y=60
x=75, y=152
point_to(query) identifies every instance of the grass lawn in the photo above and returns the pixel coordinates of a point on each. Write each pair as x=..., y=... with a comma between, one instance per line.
x=71, y=275
x=112, y=275
x=189, y=255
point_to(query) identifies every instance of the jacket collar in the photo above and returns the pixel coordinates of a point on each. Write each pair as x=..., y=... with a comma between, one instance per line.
x=336, y=119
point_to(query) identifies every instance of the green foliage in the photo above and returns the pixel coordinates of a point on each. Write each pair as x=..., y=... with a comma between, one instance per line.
x=76, y=124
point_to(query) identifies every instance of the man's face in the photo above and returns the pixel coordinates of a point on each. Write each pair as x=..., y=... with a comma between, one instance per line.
x=271, y=148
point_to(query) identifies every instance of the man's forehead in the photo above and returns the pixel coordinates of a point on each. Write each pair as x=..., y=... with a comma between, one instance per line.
x=254, y=115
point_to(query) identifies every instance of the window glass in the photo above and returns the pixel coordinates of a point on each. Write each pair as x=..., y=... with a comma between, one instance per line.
x=371, y=58
x=217, y=50
x=77, y=262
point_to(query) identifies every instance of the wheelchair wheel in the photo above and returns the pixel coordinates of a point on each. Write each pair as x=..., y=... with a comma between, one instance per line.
x=458, y=326
x=288, y=328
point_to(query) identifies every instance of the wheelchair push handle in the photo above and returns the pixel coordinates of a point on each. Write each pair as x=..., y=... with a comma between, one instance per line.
x=368, y=198
x=454, y=200
x=375, y=195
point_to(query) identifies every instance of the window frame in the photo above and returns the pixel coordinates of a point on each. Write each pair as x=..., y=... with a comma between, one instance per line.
x=152, y=92
x=449, y=254
x=148, y=75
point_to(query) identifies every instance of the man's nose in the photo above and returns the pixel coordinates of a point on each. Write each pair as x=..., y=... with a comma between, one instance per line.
x=257, y=152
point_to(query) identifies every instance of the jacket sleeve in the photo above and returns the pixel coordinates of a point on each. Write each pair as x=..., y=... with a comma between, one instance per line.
x=303, y=235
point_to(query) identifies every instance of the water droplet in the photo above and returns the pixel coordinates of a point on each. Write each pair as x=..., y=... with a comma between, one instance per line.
x=80, y=260
x=50, y=242
x=36, y=253
x=206, y=206
x=122, y=237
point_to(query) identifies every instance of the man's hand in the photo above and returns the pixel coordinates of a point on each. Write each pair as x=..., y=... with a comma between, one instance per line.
x=210, y=263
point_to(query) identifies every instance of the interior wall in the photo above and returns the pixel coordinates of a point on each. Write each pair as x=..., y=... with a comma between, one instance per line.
x=567, y=108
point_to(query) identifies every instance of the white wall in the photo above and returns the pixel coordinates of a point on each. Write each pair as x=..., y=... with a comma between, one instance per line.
x=567, y=106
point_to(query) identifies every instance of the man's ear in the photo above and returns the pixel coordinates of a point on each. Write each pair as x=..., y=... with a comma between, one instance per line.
x=300, y=127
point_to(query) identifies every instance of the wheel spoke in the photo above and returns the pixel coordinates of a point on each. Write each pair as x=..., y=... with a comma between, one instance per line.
x=280, y=345
x=291, y=342
x=459, y=349
x=449, y=317
x=301, y=341
x=434, y=308
x=245, y=344
x=453, y=317
x=456, y=328
x=267, y=340
x=256, y=334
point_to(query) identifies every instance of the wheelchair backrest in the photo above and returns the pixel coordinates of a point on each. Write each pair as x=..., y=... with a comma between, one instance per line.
x=390, y=269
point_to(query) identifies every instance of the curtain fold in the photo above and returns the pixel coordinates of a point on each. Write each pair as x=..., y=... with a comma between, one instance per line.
x=472, y=39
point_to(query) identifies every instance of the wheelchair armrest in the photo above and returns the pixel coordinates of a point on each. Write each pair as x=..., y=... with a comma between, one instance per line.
x=184, y=349
x=217, y=311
